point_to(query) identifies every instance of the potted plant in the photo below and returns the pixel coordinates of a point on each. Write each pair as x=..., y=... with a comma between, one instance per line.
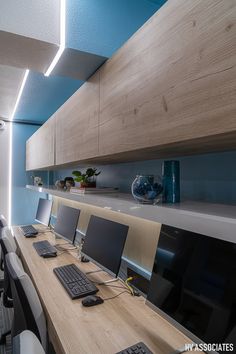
x=87, y=179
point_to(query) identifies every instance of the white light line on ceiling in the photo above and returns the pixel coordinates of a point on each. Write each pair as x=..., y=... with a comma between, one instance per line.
x=20, y=93
x=10, y=147
x=62, y=38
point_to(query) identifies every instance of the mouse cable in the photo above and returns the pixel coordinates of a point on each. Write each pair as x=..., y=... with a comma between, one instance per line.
x=61, y=252
x=124, y=283
x=113, y=286
x=65, y=243
x=65, y=249
x=58, y=246
x=45, y=231
x=62, y=244
x=42, y=232
x=94, y=271
x=113, y=297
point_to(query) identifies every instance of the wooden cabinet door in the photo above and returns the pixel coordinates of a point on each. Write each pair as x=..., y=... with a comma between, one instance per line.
x=173, y=83
x=77, y=124
x=40, y=147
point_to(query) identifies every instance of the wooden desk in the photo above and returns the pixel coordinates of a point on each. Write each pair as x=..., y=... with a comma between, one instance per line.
x=102, y=329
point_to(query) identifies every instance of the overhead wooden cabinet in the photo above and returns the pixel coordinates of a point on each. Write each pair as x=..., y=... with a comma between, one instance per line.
x=77, y=125
x=40, y=147
x=172, y=87
x=170, y=90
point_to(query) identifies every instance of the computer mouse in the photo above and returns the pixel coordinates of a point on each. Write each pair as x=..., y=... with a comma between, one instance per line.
x=92, y=300
x=29, y=235
x=49, y=254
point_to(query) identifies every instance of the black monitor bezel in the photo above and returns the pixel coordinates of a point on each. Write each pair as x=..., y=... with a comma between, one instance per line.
x=57, y=234
x=40, y=222
x=167, y=317
x=84, y=254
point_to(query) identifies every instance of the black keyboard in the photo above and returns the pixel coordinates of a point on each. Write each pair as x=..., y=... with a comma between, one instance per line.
x=139, y=348
x=29, y=230
x=74, y=281
x=45, y=249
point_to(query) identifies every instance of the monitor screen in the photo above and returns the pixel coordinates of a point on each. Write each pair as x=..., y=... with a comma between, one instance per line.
x=104, y=243
x=66, y=223
x=44, y=211
x=193, y=283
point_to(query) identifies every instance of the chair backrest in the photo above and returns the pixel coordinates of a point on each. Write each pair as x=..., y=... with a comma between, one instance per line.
x=7, y=241
x=28, y=312
x=8, y=244
x=3, y=221
x=27, y=343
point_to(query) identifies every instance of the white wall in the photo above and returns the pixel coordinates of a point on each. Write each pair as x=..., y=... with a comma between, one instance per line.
x=4, y=169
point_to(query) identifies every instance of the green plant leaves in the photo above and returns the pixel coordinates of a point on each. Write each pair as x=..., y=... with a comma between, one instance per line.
x=76, y=173
x=83, y=177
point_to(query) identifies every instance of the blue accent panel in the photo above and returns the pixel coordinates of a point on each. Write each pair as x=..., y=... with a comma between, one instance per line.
x=101, y=27
x=42, y=96
x=24, y=202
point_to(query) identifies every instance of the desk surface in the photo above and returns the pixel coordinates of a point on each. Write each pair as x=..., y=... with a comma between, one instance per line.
x=102, y=329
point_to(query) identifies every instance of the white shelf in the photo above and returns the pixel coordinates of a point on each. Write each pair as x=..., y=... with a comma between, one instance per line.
x=215, y=220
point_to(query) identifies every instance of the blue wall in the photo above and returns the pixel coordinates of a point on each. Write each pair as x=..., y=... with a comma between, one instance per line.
x=209, y=177
x=42, y=96
x=24, y=202
x=102, y=26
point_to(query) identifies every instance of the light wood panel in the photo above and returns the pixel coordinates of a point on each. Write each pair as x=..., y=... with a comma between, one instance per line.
x=103, y=329
x=173, y=83
x=40, y=147
x=77, y=124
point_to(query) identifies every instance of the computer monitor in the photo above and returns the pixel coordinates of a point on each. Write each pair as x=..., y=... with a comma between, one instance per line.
x=44, y=211
x=104, y=243
x=193, y=284
x=66, y=223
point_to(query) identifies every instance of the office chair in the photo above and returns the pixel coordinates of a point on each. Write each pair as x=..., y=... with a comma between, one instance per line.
x=8, y=244
x=3, y=223
x=27, y=343
x=28, y=312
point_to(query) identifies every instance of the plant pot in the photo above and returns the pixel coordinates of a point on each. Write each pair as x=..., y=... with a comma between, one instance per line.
x=88, y=184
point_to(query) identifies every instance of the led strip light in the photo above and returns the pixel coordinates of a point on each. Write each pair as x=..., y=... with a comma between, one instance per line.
x=62, y=38
x=10, y=146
